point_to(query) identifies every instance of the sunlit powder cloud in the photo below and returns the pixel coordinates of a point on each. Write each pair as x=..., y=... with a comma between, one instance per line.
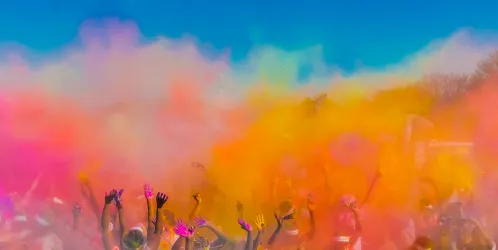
x=147, y=109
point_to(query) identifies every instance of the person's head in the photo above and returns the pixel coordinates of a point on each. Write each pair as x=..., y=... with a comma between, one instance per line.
x=425, y=206
x=134, y=239
x=347, y=201
x=287, y=211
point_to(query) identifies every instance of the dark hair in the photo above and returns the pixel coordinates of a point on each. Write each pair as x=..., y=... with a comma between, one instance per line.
x=424, y=242
x=133, y=239
x=424, y=202
x=285, y=206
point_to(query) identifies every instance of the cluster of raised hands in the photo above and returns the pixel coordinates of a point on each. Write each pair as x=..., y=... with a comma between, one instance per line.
x=186, y=233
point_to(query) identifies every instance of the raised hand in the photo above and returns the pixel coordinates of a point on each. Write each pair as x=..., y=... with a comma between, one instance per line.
x=190, y=232
x=260, y=222
x=76, y=209
x=148, y=191
x=244, y=225
x=240, y=207
x=110, y=196
x=197, y=197
x=200, y=222
x=279, y=220
x=118, y=200
x=181, y=229
x=161, y=199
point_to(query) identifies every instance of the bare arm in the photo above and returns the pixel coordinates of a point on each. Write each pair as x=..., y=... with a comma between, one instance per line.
x=106, y=220
x=195, y=211
x=247, y=227
x=178, y=244
x=189, y=244
x=29, y=193
x=358, y=227
x=249, y=242
x=370, y=189
x=76, y=216
x=261, y=225
x=311, y=209
x=277, y=231
x=221, y=237
x=154, y=236
x=121, y=213
x=93, y=201
x=150, y=211
x=257, y=240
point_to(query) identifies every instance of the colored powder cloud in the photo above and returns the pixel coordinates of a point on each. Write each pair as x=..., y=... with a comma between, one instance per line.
x=125, y=112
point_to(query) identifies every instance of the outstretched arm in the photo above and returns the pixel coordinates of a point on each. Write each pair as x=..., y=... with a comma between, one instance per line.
x=87, y=190
x=154, y=238
x=195, y=211
x=122, y=219
x=221, y=240
x=186, y=233
x=311, y=209
x=106, y=220
x=277, y=231
x=358, y=227
x=261, y=225
x=148, y=193
x=247, y=227
x=378, y=175
x=76, y=216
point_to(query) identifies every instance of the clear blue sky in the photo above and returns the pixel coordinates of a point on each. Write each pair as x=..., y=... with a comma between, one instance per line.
x=375, y=32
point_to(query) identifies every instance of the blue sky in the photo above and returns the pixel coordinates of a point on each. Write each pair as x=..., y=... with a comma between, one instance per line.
x=374, y=33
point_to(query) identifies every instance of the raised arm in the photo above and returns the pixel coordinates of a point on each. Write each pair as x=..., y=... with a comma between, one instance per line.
x=148, y=193
x=87, y=190
x=261, y=225
x=76, y=216
x=311, y=210
x=358, y=227
x=181, y=229
x=154, y=236
x=377, y=177
x=106, y=220
x=195, y=211
x=328, y=186
x=247, y=227
x=29, y=194
x=240, y=209
x=277, y=231
x=121, y=214
x=222, y=239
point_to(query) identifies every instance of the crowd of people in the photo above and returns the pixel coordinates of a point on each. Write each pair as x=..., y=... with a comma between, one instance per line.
x=341, y=223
